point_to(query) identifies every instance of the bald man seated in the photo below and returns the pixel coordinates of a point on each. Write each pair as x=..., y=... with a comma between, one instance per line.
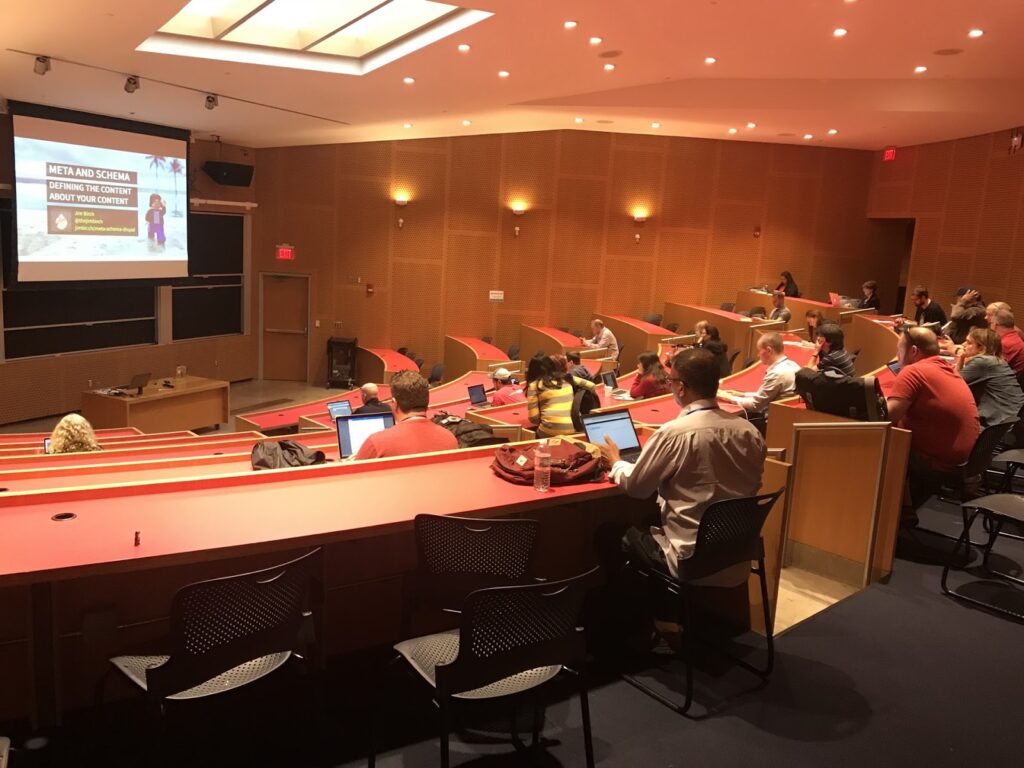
x=371, y=403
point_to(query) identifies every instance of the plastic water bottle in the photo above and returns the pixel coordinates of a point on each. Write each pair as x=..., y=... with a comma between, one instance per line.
x=542, y=469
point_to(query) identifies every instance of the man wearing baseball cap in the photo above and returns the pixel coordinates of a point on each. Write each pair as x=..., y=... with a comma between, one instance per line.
x=505, y=391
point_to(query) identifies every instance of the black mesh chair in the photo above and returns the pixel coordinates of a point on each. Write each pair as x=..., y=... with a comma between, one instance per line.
x=563, y=328
x=576, y=332
x=732, y=359
x=437, y=373
x=727, y=306
x=513, y=352
x=674, y=327
x=510, y=640
x=997, y=510
x=486, y=339
x=653, y=318
x=728, y=538
x=410, y=354
x=749, y=362
x=231, y=631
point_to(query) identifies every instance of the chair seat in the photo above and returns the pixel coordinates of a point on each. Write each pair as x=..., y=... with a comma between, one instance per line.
x=426, y=653
x=1008, y=505
x=134, y=667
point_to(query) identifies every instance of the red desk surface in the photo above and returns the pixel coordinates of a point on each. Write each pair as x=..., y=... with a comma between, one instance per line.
x=205, y=519
x=129, y=446
x=591, y=364
x=561, y=337
x=393, y=360
x=37, y=437
x=723, y=313
x=456, y=390
x=792, y=338
x=654, y=330
x=289, y=417
x=481, y=348
x=885, y=379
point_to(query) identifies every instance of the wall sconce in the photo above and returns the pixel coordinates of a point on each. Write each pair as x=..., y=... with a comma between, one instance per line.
x=401, y=200
x=518, y=209
x=639, y=216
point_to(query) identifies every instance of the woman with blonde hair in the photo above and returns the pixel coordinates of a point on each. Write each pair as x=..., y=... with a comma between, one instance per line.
x=73, y=434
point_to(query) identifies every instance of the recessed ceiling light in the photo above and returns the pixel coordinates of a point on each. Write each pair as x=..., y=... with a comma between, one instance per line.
x=808, y=136
x=596, y=40
x=710, y=59
x=838, y=32
x=655, y=125
x=976, y=33
x=407, y=125
x=751, y=125
x=467, y=122
x=463, y=47
x=408, y=80
x=609, y=67
x=920, y=70
x=570, y=25
x=832, y=131
x=503, y=73
x=732, y=130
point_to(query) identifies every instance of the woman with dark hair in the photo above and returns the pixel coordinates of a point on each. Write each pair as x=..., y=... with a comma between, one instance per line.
x=995, y=388
x=650, y=377
x=788, y=285
x=712, y=342
x=870, y=300
x=813, y=318
x=549, y=396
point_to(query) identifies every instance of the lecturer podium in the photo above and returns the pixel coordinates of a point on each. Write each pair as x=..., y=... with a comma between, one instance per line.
x=192, y=402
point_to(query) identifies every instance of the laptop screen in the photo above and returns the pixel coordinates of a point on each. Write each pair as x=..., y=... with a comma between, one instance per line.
x=477, y=394
x=834, y=299
x=608, y=377
x=353, y=430
x=617, y=425
x=339, y=408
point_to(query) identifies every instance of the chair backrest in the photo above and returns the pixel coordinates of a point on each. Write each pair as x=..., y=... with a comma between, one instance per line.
x=563, y=328
x=500, y=548
x=410, y=354
x=727, y=306
x=221, y=623
x=729, y=533
x=653, y=318
x=505, y=630
x=674, y=327
x=486, y=339
x=732, y=357
x=984, y=447
x=513, y=352
x=437, y=372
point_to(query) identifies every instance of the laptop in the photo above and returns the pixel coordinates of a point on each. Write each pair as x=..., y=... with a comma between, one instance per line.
x=617, y=425
x=608, y=379
x=894, y=367
x=353, y=430
x=477, y=394
x=138, y=382
x=834, y=299
x=339, y=408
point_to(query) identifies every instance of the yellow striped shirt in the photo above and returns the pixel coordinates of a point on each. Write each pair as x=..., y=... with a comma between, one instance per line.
x=551, y=408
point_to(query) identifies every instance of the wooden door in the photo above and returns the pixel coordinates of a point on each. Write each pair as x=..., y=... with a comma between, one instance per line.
x=285, y=321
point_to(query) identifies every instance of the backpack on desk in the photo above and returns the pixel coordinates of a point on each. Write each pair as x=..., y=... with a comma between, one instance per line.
x=468, y=433
x=572, y=461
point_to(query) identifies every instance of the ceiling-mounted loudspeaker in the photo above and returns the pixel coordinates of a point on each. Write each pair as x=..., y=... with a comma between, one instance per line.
x=228, y=174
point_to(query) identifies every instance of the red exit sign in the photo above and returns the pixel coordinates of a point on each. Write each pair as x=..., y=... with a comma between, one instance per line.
x=889, y=154
x=285, y=252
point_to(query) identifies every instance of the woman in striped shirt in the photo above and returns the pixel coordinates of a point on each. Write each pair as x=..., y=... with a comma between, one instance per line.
x=549, y=396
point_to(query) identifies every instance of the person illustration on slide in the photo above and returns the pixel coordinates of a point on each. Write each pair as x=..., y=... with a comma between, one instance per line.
x=155, y=219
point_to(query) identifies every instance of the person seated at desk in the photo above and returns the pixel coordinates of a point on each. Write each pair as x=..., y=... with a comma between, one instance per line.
x=73, y=434
x=968, y=312
x=413, y=431
x=602, y=339
x=927, y=310
x=831, y=354
x=779, y=311
x=577, y=368
x=930, y=399
x=995, y=389
x=703, y=455
x=788, y=285
x=549, y=396
x=371, y=403
x=779, y=380
x=812, y=319
x=711, y=340
x=506, y=390
x=1004, y=324
x=650, y=378
x=870, y=300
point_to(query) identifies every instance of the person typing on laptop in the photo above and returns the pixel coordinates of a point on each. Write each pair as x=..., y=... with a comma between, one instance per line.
x=413, y=431
x=701, y=456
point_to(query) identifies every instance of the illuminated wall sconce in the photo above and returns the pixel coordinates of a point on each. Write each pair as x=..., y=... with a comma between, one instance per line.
x=518, y=209
x=401, y=200
x=640, y=215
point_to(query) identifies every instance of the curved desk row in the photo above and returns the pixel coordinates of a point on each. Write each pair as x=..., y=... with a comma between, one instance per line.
x=288, y=418
x=634, y=336
x=379, y=365
x=735, y=330
x=465, y=353
x=747, y=299
x=875, y=338
x=8, y=439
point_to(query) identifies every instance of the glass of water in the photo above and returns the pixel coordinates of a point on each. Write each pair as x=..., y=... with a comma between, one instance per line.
x=180, y=372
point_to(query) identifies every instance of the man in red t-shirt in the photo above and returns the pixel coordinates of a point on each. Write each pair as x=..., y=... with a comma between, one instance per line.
x=505, y=391
x=936, y=405
x=1004, y=324
x=413, y=432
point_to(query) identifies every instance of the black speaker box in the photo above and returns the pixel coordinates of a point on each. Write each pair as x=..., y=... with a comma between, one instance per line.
x=228, y=174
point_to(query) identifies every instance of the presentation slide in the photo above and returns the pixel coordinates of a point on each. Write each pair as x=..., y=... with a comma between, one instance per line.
x=98, y=204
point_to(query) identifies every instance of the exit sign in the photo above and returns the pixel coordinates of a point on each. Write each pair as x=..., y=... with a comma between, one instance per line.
x=285, y=252
x=889, y=154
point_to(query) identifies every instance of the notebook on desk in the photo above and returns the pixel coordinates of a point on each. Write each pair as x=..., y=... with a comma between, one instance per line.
x=617, y=425
x=353, y=430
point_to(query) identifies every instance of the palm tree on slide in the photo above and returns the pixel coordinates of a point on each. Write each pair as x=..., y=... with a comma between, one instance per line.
x=176, y=169
x=156, y=162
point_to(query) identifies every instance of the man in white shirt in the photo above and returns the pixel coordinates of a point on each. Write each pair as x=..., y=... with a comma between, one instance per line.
x=602, y=339
x=779, y=380
x=701, y=456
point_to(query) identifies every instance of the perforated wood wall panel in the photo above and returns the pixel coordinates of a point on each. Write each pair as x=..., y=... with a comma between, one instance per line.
x=680, y=267
x=628, y=287
x=742, y=171
x=585, y=153
x=473, y=203
x=526, y=169
x=734, y=251
x=416, y=318
x=470, y=272
x=788, y=236
x=424, y=174
x=636, y=185
x=965, y=193
x=579, y=234
x=571, y=306
x=689, y=183
x=932, y=177
x=525, y=259
x=992, y=265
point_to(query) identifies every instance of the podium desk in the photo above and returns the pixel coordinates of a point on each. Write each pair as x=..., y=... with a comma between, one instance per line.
x=192, y=402
x=464, y=353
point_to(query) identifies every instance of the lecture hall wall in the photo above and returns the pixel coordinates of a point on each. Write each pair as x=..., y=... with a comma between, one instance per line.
x=967, y=197
x=576, y=251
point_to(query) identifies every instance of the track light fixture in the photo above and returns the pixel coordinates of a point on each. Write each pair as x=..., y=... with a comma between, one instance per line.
x=211, y=101
x=41, y=65
x=132, y=84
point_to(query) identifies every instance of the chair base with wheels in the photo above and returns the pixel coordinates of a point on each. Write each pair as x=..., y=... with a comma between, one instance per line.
x=997, y=510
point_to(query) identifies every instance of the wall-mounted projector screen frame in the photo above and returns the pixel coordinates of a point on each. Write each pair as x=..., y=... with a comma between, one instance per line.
x=96, y=199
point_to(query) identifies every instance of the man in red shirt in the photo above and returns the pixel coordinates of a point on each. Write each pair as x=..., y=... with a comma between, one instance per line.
x=505, y=391
x=413, y=431
x=930, y=399
x=1004, y=324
